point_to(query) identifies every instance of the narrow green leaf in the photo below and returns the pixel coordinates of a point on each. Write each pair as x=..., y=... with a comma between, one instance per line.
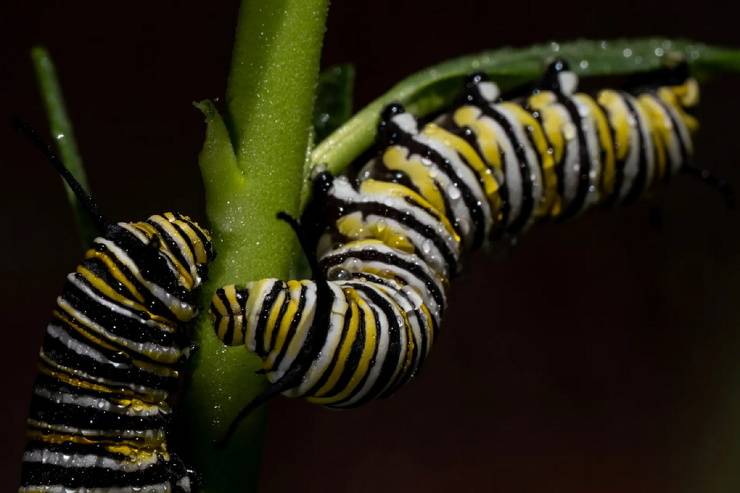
x=61, y=130
x=333, y=100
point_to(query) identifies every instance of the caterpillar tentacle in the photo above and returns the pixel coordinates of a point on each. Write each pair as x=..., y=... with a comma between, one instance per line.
x=389, y=239
x=85, y=199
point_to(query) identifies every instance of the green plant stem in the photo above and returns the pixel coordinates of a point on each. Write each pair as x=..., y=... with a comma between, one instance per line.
x=252, y=165
x=434, y=88
x=61, y=130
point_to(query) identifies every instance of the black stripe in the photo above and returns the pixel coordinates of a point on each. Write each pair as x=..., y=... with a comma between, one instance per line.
x=291, y=329
x=683, y=150
x=359, y=346
x=278, y=321
x=172, y=245
x=129, y=328
x=351, y=361
x=389, y=258
x=619, y=164
x=229, y=334
x=264, y=316
x=471, y=202
x=391, y=360
x=527, y=206
x=91, y=418
x=639, y=182
x=127, y=374
x=584, y=158
x=409, y=220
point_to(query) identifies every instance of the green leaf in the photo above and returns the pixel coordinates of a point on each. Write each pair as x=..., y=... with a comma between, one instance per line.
x=61, y=130
x=436, y=87
x=333, y=99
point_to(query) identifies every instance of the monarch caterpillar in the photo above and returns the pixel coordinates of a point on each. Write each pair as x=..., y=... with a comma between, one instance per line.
x=110, y=357
x=388, y=238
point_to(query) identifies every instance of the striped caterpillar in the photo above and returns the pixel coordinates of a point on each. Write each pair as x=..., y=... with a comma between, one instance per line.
x=111, y=356
x=385, y=241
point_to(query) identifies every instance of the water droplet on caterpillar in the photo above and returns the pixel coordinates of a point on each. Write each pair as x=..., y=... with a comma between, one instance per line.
x=426, y=246
x=339, y=274
x=454, y=193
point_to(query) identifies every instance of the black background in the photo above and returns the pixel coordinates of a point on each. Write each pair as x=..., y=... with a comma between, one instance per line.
x=599, y=355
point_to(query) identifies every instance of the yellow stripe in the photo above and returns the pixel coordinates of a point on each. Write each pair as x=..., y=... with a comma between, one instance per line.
x=153, y=354
x=107, y=291
x=284, y=325
x=545, y=103
x=368, y=349
x=201, y=256
x=353, y=226
x=605, y=143
x=115, y=272
x=619, y=121
x=384, y=188
x=473, y=160
x=660, y=132
x=138, y=455
x=672, y=97
x=549, y=176
x=186, y=279
x=79, y=383
x=346, y=348
x=69, y=319
x=272, y=320
x=468, y=116
x=395, y=158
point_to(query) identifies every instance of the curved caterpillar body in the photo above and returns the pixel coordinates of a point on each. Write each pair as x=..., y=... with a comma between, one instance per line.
x=389, y=238
x=110, y=359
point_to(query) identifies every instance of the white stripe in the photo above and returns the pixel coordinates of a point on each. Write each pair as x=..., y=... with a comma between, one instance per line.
x=74, y=279
x=182, y=310
x=88, y=460
x=157, y=352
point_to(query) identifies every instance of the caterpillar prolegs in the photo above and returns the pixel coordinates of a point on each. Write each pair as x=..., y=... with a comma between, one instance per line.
x=388, y=238
x=111, y=357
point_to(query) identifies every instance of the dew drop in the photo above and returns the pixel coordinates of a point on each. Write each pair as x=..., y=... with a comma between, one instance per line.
x=627, y=52
x=454, y=193
x=426, y=246
x=339, y=274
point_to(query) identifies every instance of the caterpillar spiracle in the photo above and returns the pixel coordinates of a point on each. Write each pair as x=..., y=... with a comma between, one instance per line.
x=111, y=357
x=388, y=238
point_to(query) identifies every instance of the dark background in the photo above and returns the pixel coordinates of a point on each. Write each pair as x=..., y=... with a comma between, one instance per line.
x=599, y=355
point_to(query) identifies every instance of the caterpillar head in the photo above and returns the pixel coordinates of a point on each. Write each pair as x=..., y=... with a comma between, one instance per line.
x=184, y=242
x=167, y=254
